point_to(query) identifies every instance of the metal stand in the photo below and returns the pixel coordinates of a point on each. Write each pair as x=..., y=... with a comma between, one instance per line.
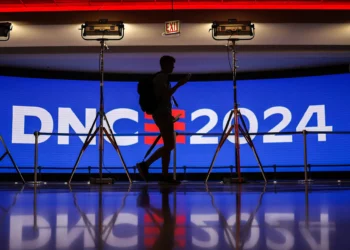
x=306, y=178
x=101, y=129
x=7, y=152
x=237, y=129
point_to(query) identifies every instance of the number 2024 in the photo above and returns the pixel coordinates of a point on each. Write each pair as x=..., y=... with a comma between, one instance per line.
x=318, y=110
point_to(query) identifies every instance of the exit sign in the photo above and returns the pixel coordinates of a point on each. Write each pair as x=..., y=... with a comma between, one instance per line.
x=172, y=27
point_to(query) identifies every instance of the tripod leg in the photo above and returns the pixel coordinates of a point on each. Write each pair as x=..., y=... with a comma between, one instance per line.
x=259, y=162
x=11, y=158
x=157, y=139
x=225, y=136
x=15, y=165
x=226, y=126
x=90, y=130
x=251, y=144
x=85, y=145
x=115, y=145
x=174, y=156
x=237, y=144
x=221, y=142
x=3, y=156
x=88, y=139
x=152, y=147
x=212, y=163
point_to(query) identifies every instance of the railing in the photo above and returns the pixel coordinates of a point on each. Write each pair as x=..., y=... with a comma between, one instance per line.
x=305, y=165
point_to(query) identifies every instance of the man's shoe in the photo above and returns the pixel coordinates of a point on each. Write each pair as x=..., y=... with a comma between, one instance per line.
x=143, y=170
x=143, y=199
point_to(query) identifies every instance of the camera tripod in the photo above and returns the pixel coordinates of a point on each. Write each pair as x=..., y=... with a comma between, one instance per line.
x=236, y=127
x=101, y=130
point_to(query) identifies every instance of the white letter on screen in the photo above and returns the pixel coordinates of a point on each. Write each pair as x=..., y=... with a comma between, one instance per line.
x=121, y=242
x=18, y=124
x=122, y=113
x=65, y=238
x=17, y=225
x=67, y=118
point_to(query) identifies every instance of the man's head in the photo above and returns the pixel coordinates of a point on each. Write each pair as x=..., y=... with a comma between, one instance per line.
x=167, y=64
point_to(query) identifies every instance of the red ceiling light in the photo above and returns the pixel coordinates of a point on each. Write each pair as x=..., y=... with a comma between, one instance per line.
x=108, y=5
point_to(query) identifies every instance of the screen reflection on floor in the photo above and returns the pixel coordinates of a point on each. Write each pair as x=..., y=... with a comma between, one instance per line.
x=190, y=216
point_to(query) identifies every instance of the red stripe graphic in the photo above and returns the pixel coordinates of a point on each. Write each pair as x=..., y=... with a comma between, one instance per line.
x=148, y=140
x=175, y=112
x=152, y=128
x=180, y=112
x=152, y=230
x=148, y=117
x=153, y=226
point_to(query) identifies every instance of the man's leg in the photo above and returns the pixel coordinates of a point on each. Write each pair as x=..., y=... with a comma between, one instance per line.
x=166, y=127
x=168, y=139
x=155, y=156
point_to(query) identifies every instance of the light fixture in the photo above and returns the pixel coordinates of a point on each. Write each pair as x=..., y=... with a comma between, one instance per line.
x=114, y=30
x=232, y=29
x=5, y=29
x=101, y=31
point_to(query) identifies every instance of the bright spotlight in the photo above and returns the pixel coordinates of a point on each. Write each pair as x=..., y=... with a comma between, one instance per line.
x=232, y=30
x=103, y=29
x=5, y=29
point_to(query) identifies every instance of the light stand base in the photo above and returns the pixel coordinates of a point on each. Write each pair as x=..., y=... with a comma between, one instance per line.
x=307, y=181
x=99, y=180
x=235, y=180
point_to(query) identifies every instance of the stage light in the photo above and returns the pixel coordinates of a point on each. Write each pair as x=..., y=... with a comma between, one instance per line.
x=101, y=31
x=232, y=29
x=5, y=29
x=114, y=30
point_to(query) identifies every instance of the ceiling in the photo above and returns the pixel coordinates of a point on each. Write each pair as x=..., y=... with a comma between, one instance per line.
x=215, y=60
x=51, y=41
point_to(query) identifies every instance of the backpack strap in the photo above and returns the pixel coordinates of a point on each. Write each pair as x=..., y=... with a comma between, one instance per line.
x=175, y=102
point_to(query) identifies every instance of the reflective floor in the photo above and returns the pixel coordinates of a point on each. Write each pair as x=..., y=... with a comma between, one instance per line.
x=190, y=216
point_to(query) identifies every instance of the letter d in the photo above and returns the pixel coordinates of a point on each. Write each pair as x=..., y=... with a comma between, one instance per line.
x=18, y=124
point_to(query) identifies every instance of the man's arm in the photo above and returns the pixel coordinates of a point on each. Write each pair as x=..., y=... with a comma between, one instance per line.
x=163, y=91
x=180, y=83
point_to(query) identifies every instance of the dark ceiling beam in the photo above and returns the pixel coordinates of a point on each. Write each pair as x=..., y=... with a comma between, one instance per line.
x=173, y=49
x=90, y=76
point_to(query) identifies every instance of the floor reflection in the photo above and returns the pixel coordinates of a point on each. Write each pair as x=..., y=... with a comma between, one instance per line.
x=162, y=235
x=190, y=216
x=236, y=237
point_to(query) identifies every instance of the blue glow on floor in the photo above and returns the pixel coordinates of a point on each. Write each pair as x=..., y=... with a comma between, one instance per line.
x=191, y=216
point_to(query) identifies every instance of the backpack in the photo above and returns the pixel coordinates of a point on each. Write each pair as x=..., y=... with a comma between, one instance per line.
x=147, y=98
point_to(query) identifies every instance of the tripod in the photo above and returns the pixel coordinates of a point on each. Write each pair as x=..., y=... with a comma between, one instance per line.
x=238, y=118
x=101, y=129
x=7, y=152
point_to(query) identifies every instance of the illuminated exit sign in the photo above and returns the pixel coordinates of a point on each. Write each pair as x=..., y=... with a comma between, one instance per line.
x=172, y=27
